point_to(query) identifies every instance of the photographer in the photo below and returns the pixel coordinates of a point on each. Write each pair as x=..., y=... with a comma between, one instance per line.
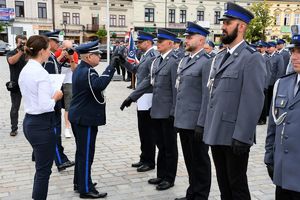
x=16, y=61
x=68, y=59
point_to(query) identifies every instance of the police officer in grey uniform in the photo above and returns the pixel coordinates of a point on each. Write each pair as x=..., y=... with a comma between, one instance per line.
x=235, y=102
x=209, y=47
x=191, y=104
x=86, y=113
x=162, y=78
x=282, y=155
x=178, y=49
x=145, y=126
x=285, y=54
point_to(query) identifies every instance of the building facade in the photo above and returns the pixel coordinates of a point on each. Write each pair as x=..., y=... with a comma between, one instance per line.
x=286, y=13
x=31, y=17
x=81, y=19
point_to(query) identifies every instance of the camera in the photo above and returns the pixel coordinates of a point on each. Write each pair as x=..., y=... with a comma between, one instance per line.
x=70, y=51
x=21, y=46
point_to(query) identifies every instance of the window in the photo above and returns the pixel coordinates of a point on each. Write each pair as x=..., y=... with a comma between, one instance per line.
x=149, y=14
x=95, y=4
x=42, y=10
x=297, y=18
x=66, y=17
x=75, y=2
x=171, y=15
x=182, y=18
x=113, y=20
x=66, y=1
x=2, y=3
x=76, y=18
x=122, y=20
x=287, y=19
x=217, y=16
x=200, y=15
x=277, y=19
x=95, y=20
x=20, y=9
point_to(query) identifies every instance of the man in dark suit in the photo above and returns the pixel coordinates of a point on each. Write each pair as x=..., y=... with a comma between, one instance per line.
x=285, y=54
x=236, y=84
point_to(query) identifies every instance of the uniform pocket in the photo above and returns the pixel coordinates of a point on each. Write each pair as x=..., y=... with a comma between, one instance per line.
x=281, y=101
x=228, y=117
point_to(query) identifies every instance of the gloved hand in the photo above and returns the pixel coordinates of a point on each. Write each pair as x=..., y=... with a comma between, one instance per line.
x=198, y=133
x=127, y=102
x=240, y=148
x=115, y=61
x=270, y=169
x=122, y=59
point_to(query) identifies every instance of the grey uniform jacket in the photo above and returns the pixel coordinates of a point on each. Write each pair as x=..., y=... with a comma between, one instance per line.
x=180, y=52
x=142, y=69
x=192, y=92
x=268, y=69
x=277, y=67
x=286, y=57
x=282, y=142
x=162, y=77
x=236, y=97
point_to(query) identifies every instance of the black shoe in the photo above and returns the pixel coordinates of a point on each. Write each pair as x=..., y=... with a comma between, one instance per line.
x=155, y=181
x=164, y=185
x=261, y=122
x=75, y=188
x=32, y=157
x=138, y=164
x=182, y=198
x=65, y=165
x=93, y=195
x=13, y=133
x=129, y=87
x=144, y=168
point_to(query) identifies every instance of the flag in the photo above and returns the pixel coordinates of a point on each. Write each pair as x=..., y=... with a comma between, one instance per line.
x=131, y=55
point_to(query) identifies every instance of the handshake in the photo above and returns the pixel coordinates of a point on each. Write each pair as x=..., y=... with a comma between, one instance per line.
x=116, y=61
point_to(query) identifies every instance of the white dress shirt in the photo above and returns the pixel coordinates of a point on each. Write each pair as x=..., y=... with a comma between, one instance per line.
x=297, y=86
x=36, y=89
x=234, y=48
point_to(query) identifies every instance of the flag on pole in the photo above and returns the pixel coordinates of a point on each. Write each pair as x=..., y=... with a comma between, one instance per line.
x=131, y=56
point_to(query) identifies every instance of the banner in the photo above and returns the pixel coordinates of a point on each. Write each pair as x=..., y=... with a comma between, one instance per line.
x=131, y=56
x=7, y=14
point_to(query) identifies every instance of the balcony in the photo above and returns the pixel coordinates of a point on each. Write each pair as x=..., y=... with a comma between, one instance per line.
x=92, y=27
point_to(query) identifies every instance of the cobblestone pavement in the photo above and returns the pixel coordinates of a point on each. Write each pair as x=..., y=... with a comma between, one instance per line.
x=116, y=148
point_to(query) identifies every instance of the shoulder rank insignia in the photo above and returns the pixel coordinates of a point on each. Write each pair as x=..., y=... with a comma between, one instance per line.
x=251, y=49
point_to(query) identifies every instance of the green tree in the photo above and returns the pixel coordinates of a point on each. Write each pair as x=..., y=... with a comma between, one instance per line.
x=2, y=27
x=101, y=33
x=113, y=35
x=263, y=19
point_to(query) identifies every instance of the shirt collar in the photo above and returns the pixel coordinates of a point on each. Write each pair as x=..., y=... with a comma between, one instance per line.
x=192, y=56
x=148, y=51
x=234, y=48
x=165, y=54
x=272, y=54
x=298, y=78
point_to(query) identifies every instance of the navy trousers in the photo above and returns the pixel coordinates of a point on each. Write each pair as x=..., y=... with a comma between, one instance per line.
x=60, y=157
x=85, y=137
x=14, y=111
x=39, y=131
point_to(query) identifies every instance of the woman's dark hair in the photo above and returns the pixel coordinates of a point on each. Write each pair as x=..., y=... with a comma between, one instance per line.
x=36, y=43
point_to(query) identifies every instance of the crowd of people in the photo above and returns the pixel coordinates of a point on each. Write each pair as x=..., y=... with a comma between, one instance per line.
x=212, y=100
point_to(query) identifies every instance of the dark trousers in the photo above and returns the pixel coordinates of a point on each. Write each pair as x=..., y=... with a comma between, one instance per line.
x=39, y=131
x=231, y=173
x=60, y=157
x=166, y=141
x=129, y=75
x=264, y=113
x=123, y=72
x=118, y=69
x=197, y=162
x=85, y=137
x=147, y=138
x=283, y=194
x=14, y=111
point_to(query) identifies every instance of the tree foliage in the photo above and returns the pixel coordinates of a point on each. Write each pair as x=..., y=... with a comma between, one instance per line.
x=2, y=27
x=101, y=33
x=263, y=19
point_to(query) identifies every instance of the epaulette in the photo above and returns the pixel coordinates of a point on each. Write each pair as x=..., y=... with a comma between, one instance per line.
x=152, y=54
x=220, y=51
x=287, y=75
x=175, y=56
x=207, y=55
x=251, y=49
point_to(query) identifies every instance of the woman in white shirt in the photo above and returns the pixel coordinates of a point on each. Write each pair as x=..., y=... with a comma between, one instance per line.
x=39, y=101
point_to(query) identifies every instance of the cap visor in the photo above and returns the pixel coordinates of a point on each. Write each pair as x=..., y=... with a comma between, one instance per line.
x=290, y=46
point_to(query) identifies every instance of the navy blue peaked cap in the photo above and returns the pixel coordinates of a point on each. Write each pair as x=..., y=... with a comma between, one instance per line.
x=295, y=42
x=210, y=43
x=280, y=41
x=89, y=47
x=177, y=40
x=52, y=35
x=234, y=11
x=272, y=44
x=261, y=43
x=193, y=28
x=142, y=35
x=163, y=34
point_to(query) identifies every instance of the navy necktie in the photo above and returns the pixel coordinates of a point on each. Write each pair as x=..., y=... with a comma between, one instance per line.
x=160, y=60
x=225, y=58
